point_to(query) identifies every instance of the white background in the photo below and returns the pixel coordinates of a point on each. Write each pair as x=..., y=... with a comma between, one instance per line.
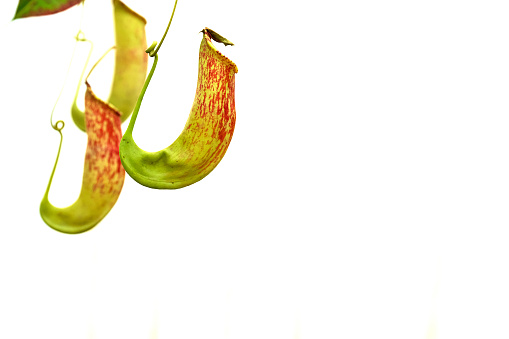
x=365, y=192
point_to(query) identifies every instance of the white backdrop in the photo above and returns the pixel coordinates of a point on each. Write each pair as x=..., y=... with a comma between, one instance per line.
x=365, y=192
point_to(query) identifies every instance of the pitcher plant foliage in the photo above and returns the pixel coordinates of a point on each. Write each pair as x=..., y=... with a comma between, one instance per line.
x=206, y=135
x=103, y=174
x=192, y=156
x=29, y=8
x=130, y=63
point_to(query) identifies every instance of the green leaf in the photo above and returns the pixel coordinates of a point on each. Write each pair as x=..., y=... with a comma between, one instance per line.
x=28, y=8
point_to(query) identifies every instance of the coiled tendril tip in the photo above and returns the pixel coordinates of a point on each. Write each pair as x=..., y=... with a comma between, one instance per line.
x=152, y=52
x=80, y=36
x=151, y=48
x=59, y=125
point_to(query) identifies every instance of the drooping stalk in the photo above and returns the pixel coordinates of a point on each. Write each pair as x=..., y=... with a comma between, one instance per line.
x=129, y=129
x=76, y=113
x=59, y=130
x=79, y=37
x=153, y=53
x=60, y=124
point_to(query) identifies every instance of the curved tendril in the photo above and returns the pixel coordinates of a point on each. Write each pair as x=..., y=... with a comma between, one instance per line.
x=79, y=37
x=154, y=52
x=98, y=61
x=82, y=38
x=151, y=48
x=77, y=114
x=82, y=12
x=60, y=124
x=59, y=130
x=129, y=130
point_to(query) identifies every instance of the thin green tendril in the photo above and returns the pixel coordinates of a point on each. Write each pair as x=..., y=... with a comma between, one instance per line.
x=154, y=52
x=60, y=124
x=59, y=130
x=82, y=38
x=79, y=37
x=98, y=61
x=65, y=80
x=151, y=48
x=129, y=129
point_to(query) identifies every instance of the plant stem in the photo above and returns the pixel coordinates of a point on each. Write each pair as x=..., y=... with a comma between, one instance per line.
x=79, y=37
x=84, y=68
x=153, y=53
x=129, y=130
x=59, y=130
x=98, y=61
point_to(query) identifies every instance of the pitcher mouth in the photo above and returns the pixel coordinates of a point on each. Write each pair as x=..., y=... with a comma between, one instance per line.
x=223, y=57
x=130, y=10
x=114, y=109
